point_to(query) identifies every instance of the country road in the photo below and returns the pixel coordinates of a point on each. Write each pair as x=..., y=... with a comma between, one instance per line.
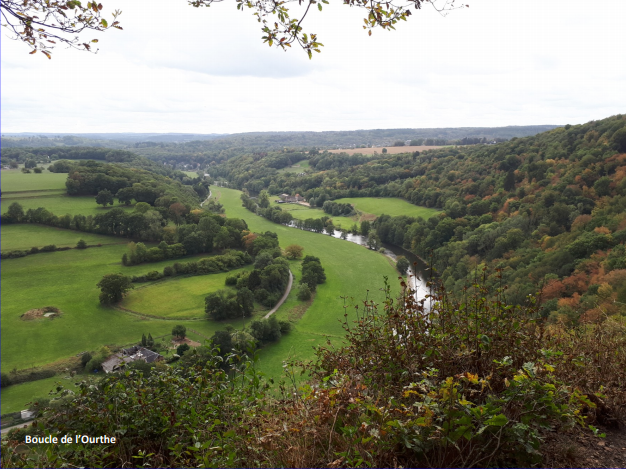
x=207, y=199
x=7, y=429
x=283, y=298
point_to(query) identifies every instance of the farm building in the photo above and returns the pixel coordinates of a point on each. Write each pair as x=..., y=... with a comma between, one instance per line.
x=286, y=198
x=117, y=361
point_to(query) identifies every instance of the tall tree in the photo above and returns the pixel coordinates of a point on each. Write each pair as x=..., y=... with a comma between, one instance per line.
x=104, y=198
x=113, y=287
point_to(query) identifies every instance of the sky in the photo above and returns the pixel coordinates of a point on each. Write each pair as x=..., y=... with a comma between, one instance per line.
x=175, y=68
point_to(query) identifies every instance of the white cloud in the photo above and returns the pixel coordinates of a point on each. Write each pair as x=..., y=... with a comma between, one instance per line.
x=178, y=69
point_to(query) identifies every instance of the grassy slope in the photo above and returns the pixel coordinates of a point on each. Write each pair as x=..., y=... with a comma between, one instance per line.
x=27, y=236
x=299, y=167
x=388, y=206
x=351, y=270
x=68, y=280
x=301, y=212
x=177, y=297
x=60, y=204
x=14, y=398
x=14, y=180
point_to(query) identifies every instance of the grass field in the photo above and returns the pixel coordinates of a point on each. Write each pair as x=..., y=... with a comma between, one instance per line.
x=29, y=194
x=14, y=180
x=351, y=271
x=178, y=297
x=27, y=236
x=388, y=206
x=16, y=397
x=302, y=212
x=60, y=204
x=299, y=167
x=67, y=280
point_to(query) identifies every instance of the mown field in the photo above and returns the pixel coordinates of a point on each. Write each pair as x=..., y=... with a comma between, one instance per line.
x=388, y=206
x=351, y=272
x=47, y=190
x=177, y=297
x=26, y=236
x=302, y=212
x=299, y=167
x=13, y=180
x=60, y=204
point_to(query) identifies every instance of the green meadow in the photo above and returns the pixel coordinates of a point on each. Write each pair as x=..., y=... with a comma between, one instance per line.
x=14, y=237
x=13, y=180
x=177, y=297
x=16, y=397
x=388, y=206
x=60, y=204
x=352, y=271
x=302, y=212
x=67, y=280
x=299, y=167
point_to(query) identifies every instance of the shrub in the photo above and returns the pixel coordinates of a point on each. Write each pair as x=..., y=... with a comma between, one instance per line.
x=231, y=280
x=304, y=294
x=285, y=327
x=85, y=358
x=14, y=254
x=179, y=331
x=81, y=244
x=168, y=271
x=49, y=248
x=181, y=349
x=154, y=275
x=5, y=380
x=402, y=264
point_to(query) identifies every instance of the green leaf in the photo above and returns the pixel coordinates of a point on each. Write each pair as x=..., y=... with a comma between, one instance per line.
x=498, y=420
x=319, y=6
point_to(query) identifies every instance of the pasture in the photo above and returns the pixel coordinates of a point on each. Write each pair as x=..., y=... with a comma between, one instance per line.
x=390, y=150
x=302, y=212
x=299, y=167
x=25, y=236
x=388, y=206
x=15, y=398
x=352, y=271
x=13, y=180
x=67, y=280
x=177, y=297
x=60, y=204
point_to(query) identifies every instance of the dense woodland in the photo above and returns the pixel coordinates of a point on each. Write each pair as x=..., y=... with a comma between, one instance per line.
x=202, y=151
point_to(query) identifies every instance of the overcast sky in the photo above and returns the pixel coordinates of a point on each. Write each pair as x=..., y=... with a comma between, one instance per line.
x=175, y=68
